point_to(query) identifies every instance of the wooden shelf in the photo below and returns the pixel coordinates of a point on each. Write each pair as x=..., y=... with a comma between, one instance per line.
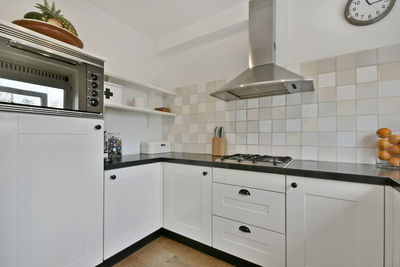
x=136, y=109
x=134, y=84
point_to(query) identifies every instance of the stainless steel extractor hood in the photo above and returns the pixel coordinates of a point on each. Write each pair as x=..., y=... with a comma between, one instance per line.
x=264, y=77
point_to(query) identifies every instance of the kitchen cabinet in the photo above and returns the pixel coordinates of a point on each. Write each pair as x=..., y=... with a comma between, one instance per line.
x=334, y=223
x=392, y=230
x=60, y=191
x=8, y=189
x=132, y=205
x=187, y=201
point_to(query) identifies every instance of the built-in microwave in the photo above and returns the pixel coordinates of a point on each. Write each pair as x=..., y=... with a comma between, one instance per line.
x=38, y=75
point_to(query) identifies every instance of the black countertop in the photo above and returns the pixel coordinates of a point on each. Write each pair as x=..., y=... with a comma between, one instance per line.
x=361, y=173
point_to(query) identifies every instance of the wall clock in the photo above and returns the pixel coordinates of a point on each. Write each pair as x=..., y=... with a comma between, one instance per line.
x=366, y=12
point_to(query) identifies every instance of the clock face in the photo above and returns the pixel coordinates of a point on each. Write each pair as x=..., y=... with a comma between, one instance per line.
x=365, y=12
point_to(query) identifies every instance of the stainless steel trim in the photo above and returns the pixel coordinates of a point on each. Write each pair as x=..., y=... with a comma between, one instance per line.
x=31, y=40
x=49, y=111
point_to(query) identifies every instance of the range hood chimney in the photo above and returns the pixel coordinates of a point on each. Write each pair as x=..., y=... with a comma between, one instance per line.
x=264, y=77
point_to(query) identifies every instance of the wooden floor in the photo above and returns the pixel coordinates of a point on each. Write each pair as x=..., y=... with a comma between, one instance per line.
x=166, y=252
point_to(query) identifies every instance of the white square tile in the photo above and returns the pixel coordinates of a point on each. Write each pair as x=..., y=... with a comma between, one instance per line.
x=252, y=103
x=366, y=139
x=230, y=115
x=367, y=106
x=265, y=150
x=201, y=138
x=366, y=155
x=241, y=104
x=279, y=100
x=346, y=139
x=294, y=112
x=294, y=152
x=202, y=88
x=278, y=150
x=252, y=149
x=230, y=105
x=241, y=115
x=210, y=127
x=389, y=53
x=265, y=102
x=346, y=108
x=327, y=154
x=253, y=126
x=327, y=124
x=241, y=139
x=367, y=90
x=279, y=113
x=265, y=126
x=309, y=97
x=389, y=88
x=293, y=139
x=367, y=74
x=265, y=114
x=309, y=111
x=193, y=99
x=279, y=126
x=242, y=149
x=231, y=138
x=367, y=123
x=178, y=101
x=193, y=128
x=185, y=138
x=185, y=109
x=346, y=154
x=327, y=139
x=252, y=114
x=346, y=124
x=309, y=139
x=252, y=138
x=293, y=125
x=327, y=109
x=346, y=92
x=392, y=121
x=220, y=106
x=327, y=80
x=202, y=107
x=293, y=99
x=309, y=153
x=278, y=139
x=265, y=138
x=309, y=125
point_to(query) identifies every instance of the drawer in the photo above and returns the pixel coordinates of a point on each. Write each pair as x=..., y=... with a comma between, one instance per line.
x=260, y=208
x=258, y=245
x=259, y=180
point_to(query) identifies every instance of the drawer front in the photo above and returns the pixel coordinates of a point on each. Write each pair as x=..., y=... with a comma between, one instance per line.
x=256, y=245
x=259, y=180
x=260, y=208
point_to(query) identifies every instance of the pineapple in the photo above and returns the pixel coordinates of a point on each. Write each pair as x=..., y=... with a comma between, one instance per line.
x=53, y=16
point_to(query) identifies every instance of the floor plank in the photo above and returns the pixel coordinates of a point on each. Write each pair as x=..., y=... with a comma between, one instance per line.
x=164, y=252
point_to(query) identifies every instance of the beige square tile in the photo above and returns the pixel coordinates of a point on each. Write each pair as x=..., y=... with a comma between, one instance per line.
x=389, y=71
x=327, y=79
x=309, y=68
x=293, y=112
x=326, y=139
x=293, y=139
x=265, y=102
x=220, y=116
x=230, y=105
x=265, y=113
x=367, y=58
x=230, y=127
x=211, y=107
x=203, y=98
x=327, y=154
x=279, y=126
x=367, y=74
x=309, y=125
x=279, y=113
x=367, y=90
x=265, y=126
x=345, y=77
x=241, y=127
x=241, y=138
x=252, y=114
x=327, y=65
x=211, y=116
x=366, y=155
x=194, y=108
x=326, y=94
x=241, y=104
x=366, y=139
x=265, y=138
x=211, y=86
x=389, y=54
x=253, y=126
x=367, y=106
x=389, y=105
x=346, y=108
x=309, y=97
x=202, y=128
x=202, y=117
x=345, y=62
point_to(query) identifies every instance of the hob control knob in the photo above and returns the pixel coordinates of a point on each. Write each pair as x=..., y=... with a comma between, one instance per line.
x=94, y=93
x=94, y=102
x=94, y=85
x=94, y=76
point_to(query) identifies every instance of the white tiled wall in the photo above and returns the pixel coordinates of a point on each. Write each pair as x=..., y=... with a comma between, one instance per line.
x=355, y=94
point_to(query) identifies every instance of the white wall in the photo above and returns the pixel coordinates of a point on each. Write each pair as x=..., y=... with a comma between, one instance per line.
x=128, y=53
x=316, y=29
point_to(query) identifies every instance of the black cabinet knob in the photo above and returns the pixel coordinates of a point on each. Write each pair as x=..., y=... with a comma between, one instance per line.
x=244, y=229
x=113, y=177
x=294, y=185
x=97, y=127
x=205, y=173
x=244, y=192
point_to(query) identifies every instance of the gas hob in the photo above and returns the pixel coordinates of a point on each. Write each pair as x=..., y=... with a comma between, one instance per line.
x=254, y=159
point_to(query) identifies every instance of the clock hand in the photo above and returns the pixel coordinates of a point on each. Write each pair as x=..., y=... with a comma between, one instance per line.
x=368, y=2
x=372, y=3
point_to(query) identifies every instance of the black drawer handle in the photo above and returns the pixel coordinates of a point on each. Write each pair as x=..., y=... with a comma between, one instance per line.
x=205, y=173
x=113, y=177
x=244, y=192
x=97, y=127
x=294, y=185
x=244, y=229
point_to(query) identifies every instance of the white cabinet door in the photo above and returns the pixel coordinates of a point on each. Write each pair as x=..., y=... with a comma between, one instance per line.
x=332, y=223
x=392, y=231
x=187, y=201
x=60, y=198
x=132, y=205
x=8, y=189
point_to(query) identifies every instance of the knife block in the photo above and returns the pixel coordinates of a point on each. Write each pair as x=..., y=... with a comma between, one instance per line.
x=218, y=146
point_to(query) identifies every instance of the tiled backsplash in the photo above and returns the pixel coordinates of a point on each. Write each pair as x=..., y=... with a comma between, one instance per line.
x=355, y=94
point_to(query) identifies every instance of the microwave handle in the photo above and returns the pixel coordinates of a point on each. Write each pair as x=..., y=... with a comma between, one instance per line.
x=40, y=52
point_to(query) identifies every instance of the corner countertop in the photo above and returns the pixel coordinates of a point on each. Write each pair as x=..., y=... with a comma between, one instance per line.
x=351, y=172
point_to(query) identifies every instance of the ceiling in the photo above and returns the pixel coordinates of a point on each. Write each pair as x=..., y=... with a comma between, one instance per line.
x=156, y=18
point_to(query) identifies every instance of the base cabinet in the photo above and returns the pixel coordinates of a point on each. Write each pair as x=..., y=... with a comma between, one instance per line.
x=132, y=205
x=392, y=230
x=332, y=223
x=187, y=201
